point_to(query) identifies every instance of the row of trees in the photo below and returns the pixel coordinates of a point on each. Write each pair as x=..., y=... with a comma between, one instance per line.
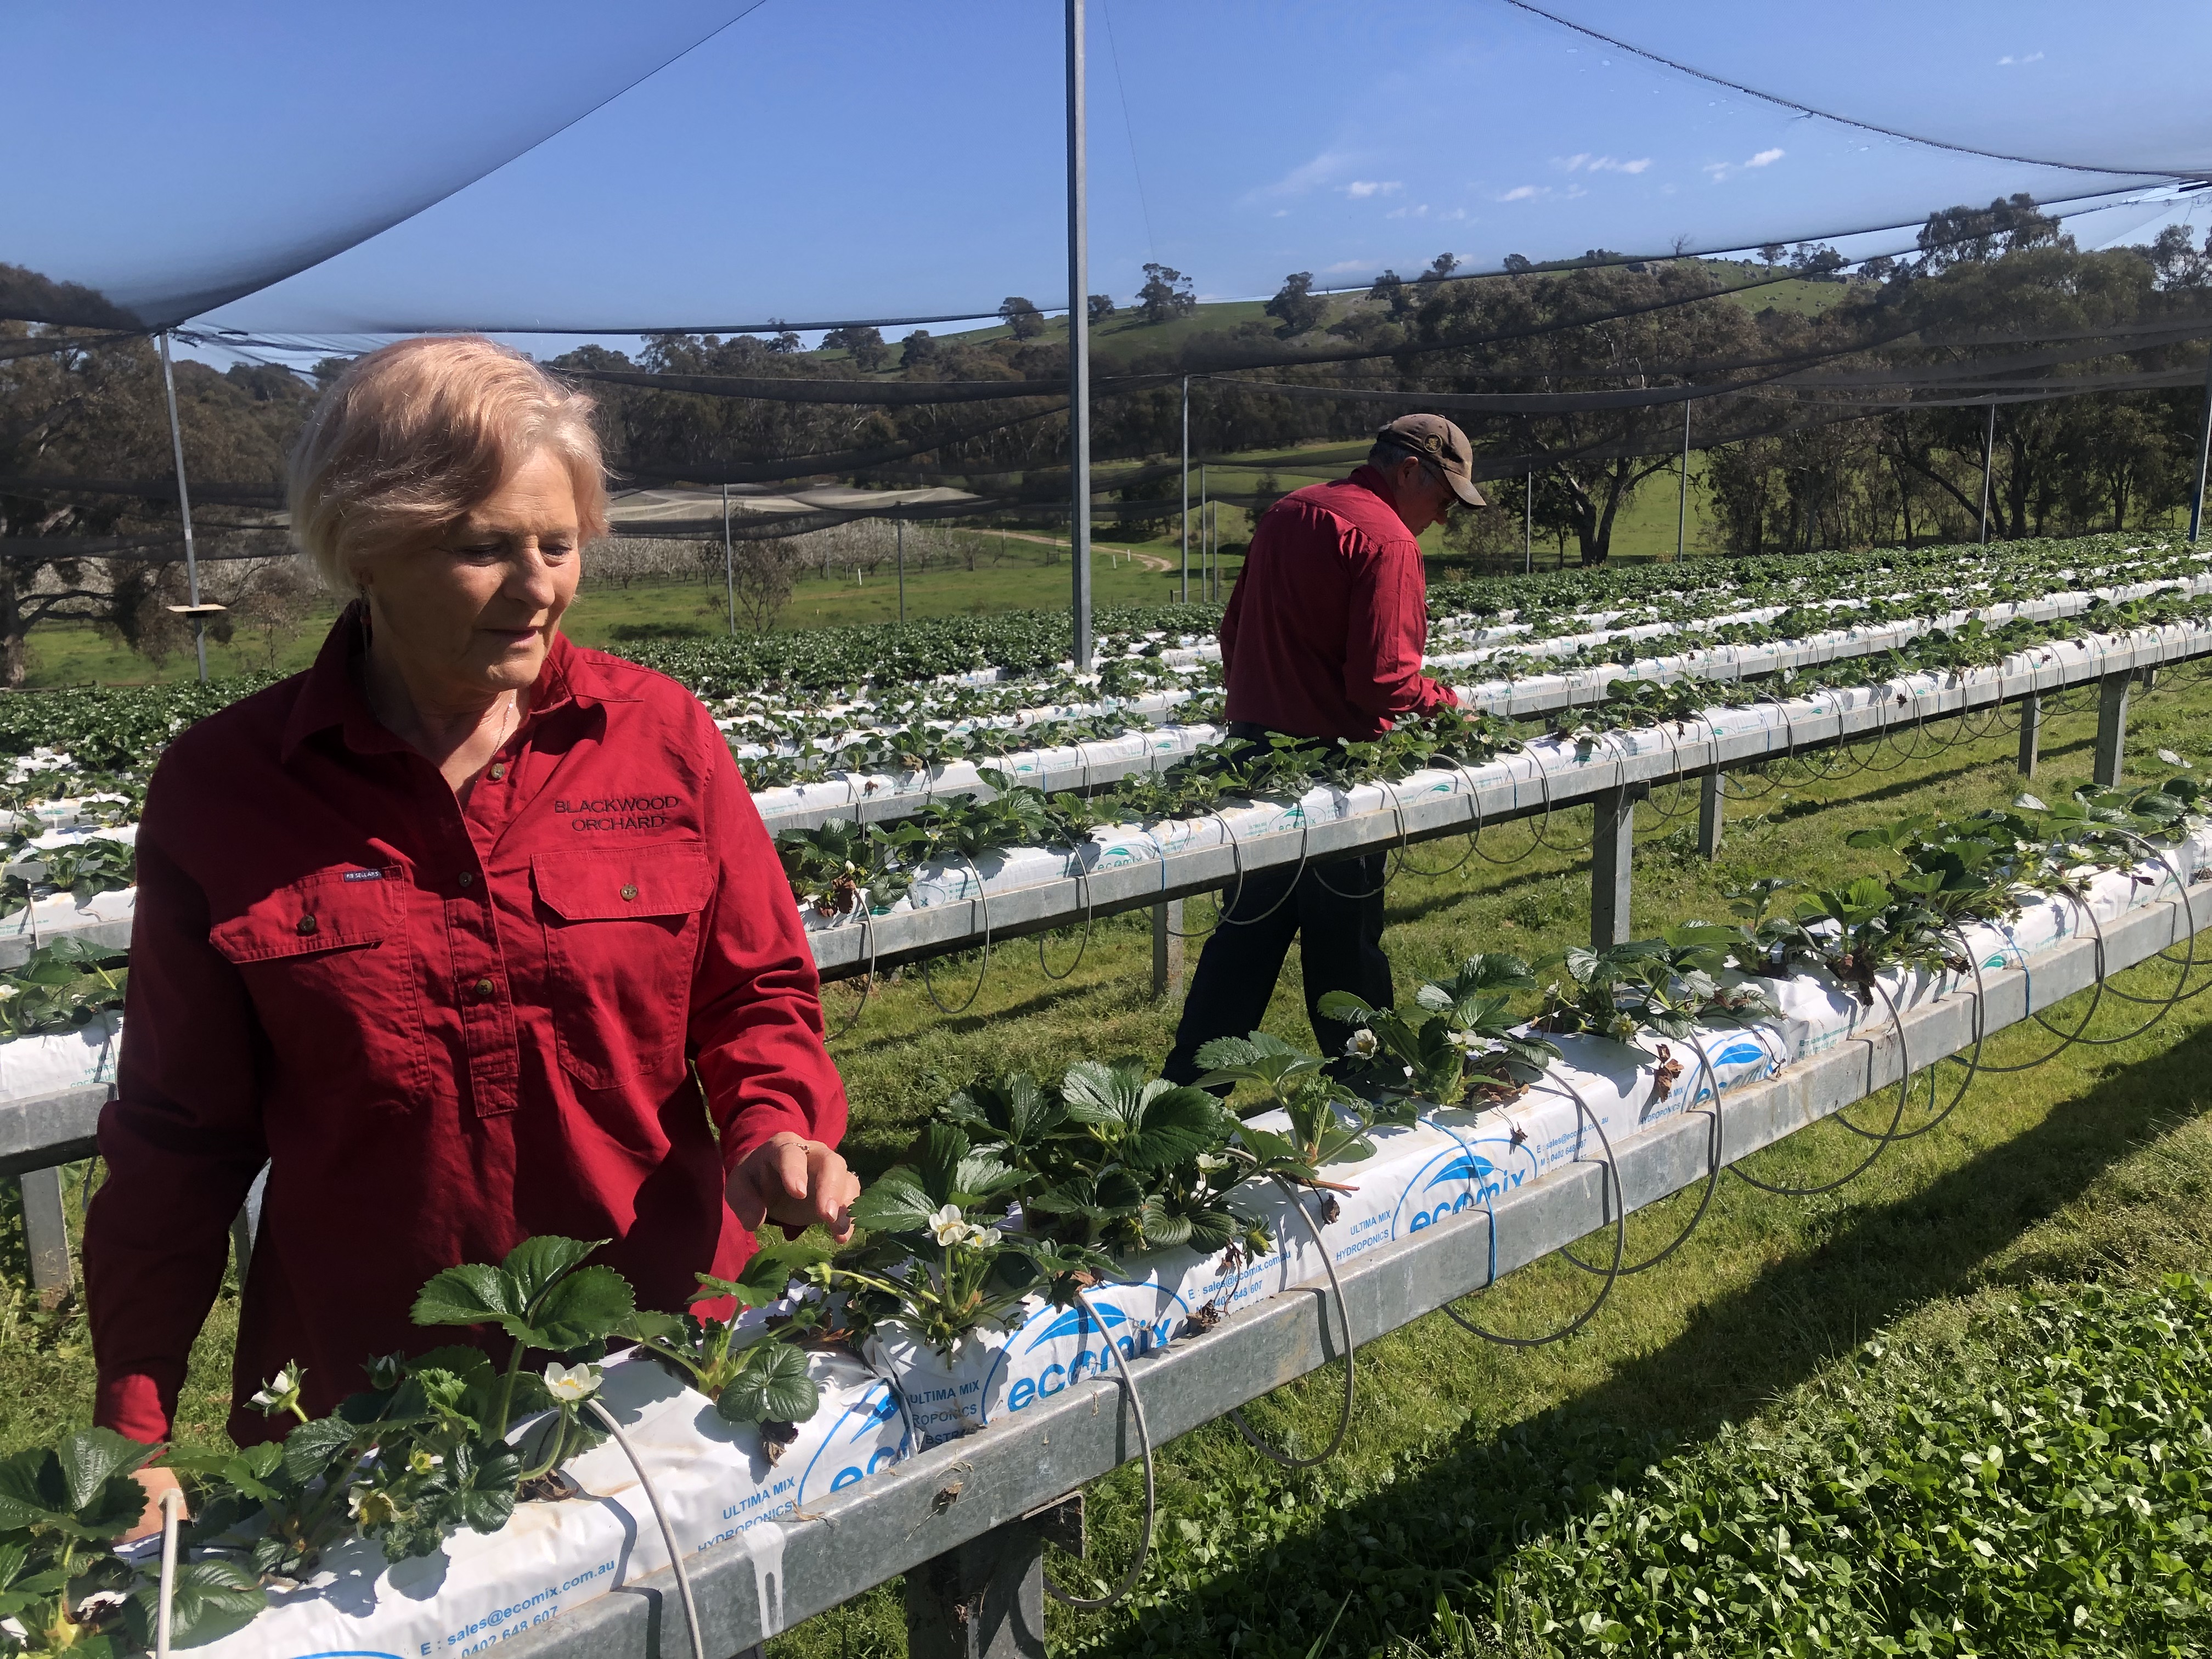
x=93, y=414
x=1863, y=420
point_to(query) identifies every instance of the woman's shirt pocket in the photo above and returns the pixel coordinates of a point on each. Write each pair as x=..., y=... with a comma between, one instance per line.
x=329, y=968
x=621, y=936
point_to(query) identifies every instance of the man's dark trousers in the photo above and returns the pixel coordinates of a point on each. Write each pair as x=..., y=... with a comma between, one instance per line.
x=1336, y=911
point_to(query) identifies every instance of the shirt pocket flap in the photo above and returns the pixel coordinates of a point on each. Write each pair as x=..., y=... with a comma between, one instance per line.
x=331, y=911
x=671, y=878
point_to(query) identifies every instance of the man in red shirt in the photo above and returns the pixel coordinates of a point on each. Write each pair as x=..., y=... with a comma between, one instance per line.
x=1322, y=640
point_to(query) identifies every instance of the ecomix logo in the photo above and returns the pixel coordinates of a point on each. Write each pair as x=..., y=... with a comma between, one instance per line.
x=862, y=1422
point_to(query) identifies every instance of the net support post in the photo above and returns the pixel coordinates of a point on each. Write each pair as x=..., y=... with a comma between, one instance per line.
x=1613, y=847
x=45, y=1235
x=1167, y=950
x=984, y=1600
x=1710, y=815
x=2111, y=727
x=2031, y=732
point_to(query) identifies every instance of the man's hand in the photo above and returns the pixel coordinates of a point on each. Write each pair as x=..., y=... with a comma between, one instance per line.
x=796, y=1184
x=155, y=1481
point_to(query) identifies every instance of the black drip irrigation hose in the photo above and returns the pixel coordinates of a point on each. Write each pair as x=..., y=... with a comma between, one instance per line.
x=1099, y=1604
x=1221, y=909
x=1474, y=813
x=1714, y=1163
x=1611, y=1275
x=2163, y=1005
x=1881, y=1141
x=2066, y=1040
x=1973, y=1065
x=1397, y=853
x=867, y=985
x=1670, y=731
x=1305, y=843
x=1544, y=780
x=1527, y=852
x=2188, y=964
x=1083, y=877
x=982, y=973
x=1351, y=1372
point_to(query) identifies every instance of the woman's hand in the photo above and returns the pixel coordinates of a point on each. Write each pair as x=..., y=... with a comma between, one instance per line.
x=796, y=1184
x=155, y=1481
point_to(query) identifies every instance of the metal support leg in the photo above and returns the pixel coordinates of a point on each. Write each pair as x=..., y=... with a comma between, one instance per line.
x=1711, y=812
x=45, y=1231
x=1167, y=948
x=1612, y=846
x=2111, y=727
x=2031, y=732
x=984, y=1600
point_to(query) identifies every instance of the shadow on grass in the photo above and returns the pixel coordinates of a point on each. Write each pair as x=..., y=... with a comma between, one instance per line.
x=1458, y=1508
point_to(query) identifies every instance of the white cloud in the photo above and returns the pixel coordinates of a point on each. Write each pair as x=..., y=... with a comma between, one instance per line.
x=1420, y=212
x=1721, y=170
x=1321, y=172
x=1525, y=193
x=1588, y=163
x=1345, y=267
x=2009, y=60
x=1360, y=189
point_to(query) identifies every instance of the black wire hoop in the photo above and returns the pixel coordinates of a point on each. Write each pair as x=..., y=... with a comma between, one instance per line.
x=1611, y=1276
x=1351, y=1375
x=1882, y=1141
x=1714, y=1163
x=983, y=972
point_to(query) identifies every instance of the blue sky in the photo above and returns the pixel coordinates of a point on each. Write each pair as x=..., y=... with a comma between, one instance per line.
x=881, y=160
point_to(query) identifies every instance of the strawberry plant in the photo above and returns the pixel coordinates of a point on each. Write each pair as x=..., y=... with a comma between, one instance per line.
x=63, y=1588
x=942, y=1264
x=1469, y=1040
x=750, y=1375
x=1328, y=1123
x=59, y=988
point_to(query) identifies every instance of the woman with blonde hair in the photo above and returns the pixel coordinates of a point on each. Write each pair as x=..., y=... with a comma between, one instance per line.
x=466, y=932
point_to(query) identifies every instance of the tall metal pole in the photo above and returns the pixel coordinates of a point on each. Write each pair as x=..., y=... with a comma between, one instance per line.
x=1529, y=523
x=1204, y=569
x=1989, y=456
x=1682, y=498
x=729, y=561
x=1186, y=487
x=2203, y=450
x=1078, y=342
x=185, y=509
x=901, y=525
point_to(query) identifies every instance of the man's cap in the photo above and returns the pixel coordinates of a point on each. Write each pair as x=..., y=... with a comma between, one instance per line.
x=1435, y=439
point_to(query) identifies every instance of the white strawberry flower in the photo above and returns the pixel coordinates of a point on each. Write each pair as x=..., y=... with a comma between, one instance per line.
x=280, y=1393
x=572, y=1384
x=947, y=1227
x=1362, y=1044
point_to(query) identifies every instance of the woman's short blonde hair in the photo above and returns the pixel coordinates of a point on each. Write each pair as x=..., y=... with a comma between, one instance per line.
x=412, y=436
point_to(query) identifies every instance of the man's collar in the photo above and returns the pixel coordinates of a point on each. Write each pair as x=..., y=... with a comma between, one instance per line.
x=332, y=695
x=1370, y=478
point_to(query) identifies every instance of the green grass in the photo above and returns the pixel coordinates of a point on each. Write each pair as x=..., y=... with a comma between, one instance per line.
x=2042, y=1490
